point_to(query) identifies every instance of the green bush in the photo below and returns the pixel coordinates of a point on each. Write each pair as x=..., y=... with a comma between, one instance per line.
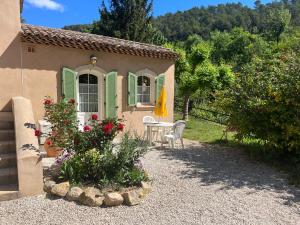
x=264, y=104
x=115, y=165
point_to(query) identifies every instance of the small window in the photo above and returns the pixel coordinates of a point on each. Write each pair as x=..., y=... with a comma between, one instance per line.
x=88, y=93
x=143, y=89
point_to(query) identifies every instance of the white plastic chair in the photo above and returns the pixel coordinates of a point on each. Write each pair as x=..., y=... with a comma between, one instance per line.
x=148, y=119
x=176, y=133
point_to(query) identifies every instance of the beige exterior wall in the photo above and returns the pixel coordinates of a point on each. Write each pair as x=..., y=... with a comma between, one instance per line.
x=10, y=53
x=42, y=77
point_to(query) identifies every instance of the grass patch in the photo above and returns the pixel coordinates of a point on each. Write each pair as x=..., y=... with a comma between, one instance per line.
x=203, y=131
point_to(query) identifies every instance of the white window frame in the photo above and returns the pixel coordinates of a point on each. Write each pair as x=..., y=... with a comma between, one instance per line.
x=100, y=74
x=151, y=75
x=142, y=94
x=88, y=92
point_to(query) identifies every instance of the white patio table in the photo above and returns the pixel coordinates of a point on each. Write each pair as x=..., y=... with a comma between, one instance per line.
x=165, y=126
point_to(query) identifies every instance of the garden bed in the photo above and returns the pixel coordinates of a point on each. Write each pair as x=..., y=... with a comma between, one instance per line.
x=90, y=168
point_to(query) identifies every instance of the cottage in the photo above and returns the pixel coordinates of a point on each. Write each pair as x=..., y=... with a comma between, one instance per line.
x=107, y=76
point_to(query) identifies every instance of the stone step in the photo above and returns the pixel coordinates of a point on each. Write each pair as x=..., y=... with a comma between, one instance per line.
x=7, y=147
x=8, y=192
x=8, y=160
x=7, y=135
x=8, y=176
x=6, y=116
x=7, y=125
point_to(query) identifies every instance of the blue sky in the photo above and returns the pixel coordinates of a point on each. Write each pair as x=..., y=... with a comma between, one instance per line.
x=57, y=13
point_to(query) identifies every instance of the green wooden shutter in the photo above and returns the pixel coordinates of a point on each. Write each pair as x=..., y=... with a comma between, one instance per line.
x=68, y=84
x=111, y=95
x=132, y=89
x=160, y=80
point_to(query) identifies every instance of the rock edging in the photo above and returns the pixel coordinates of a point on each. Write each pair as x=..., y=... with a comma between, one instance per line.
x=93, y=197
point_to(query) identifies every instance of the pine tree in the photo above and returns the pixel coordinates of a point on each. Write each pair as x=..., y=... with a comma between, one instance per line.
x=126, y=19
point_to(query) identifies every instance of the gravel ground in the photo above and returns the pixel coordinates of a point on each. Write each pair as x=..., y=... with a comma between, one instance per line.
x=199, y=185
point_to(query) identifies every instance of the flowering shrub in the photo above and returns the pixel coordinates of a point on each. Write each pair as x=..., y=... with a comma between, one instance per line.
x=97, y=134
x=63, y=119
x=90, y=156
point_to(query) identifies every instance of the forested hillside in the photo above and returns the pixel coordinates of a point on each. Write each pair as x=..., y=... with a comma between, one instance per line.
x=223, y=17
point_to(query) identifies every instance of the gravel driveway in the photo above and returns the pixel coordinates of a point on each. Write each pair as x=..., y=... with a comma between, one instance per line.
x=199, y=185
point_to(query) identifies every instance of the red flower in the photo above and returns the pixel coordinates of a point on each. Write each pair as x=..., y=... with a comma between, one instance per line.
x=108, y=128
x=48, y=142
x=94, y=116
x=120, y=127
x=37, y=133
x=87, y=128
x=72, y=101
x=48, y=101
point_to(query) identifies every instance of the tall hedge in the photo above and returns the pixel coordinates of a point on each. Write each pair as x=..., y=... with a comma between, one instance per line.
x=265, y=101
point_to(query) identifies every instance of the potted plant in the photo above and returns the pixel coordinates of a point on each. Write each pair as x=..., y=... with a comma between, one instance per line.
x=63, y=120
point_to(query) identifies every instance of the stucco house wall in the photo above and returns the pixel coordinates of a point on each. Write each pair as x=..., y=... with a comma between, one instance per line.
x=42, y=77
x=10, y=53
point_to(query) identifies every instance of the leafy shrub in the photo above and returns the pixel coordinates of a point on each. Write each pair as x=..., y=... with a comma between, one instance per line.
x=63, y=119
x=265, y=102
x=115, y=165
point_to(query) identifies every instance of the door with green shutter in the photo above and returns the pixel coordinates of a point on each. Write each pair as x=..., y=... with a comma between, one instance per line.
x=69, y=84
x=111, y=108
x=132, y=89
x=160, y=81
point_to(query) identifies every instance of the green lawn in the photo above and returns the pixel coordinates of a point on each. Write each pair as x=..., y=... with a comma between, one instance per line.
x=202, y=130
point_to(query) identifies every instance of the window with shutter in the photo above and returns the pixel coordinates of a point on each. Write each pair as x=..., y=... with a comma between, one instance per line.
x=68, y=84
x=111, y=95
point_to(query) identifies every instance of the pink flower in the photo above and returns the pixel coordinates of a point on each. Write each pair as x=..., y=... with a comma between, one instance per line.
x=37, y=133
x=108, y=128
x=87, y=128
x=94, y=116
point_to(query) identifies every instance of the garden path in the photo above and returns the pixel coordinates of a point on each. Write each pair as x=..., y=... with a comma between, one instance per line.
x=202, y=184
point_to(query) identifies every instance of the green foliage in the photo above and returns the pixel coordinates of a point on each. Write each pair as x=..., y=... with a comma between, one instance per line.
x=264, y=103
x=269, y=19
x=276, y=22
x=129, y=19
x=237, y=47
x=114, y=166
x=85, y=28
x=202, y=21
x=63, y=118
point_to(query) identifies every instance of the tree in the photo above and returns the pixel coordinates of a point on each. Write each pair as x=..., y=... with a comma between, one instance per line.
x=194, y=71
x=277, y=21
x=126, y=19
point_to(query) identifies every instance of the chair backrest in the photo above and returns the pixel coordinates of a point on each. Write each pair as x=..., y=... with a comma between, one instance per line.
x=178, y=128
x=148, y=119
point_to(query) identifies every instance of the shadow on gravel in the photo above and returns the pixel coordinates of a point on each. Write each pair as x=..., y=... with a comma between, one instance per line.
x=231, y=168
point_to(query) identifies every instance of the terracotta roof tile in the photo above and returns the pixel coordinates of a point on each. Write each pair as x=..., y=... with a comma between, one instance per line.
x=72, y=39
